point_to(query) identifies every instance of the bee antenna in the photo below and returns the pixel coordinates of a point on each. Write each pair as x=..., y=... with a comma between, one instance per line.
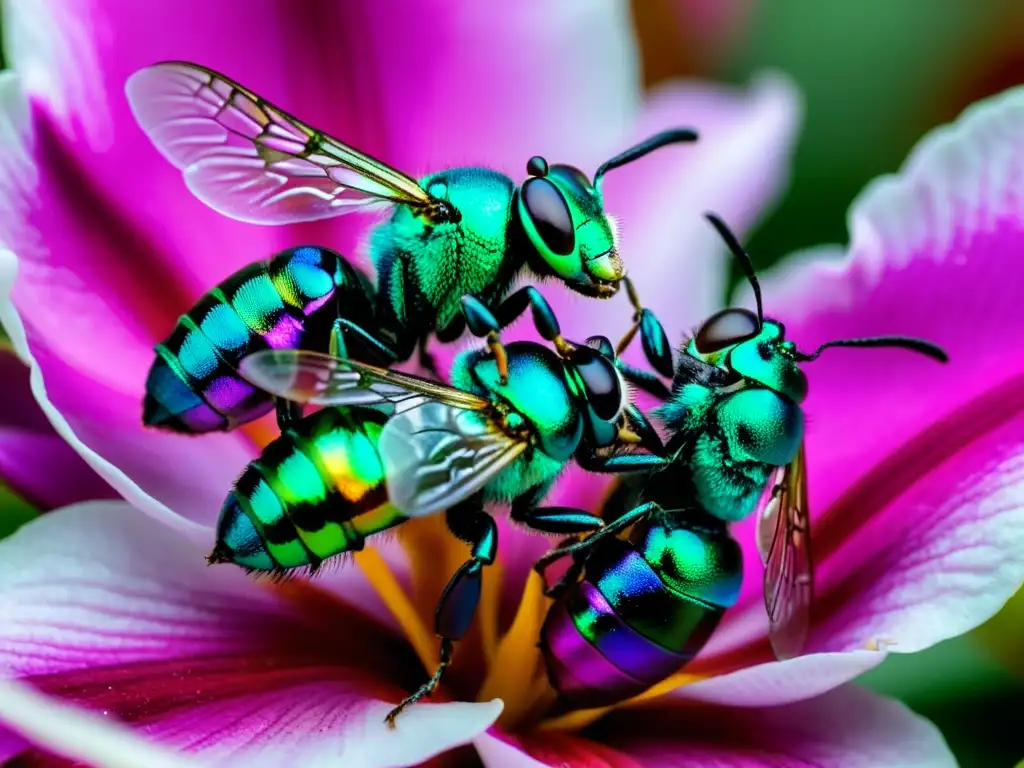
x=733, y=244
x=648, y=145
x=904, y=342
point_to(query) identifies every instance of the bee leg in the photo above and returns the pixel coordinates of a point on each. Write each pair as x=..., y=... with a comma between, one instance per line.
x=556, y=519
x=482, y=323
x=287, y=412
x=648, y=382
x=652, y=336
x=447, y=646
x=459, y=600
x=544, y=319
x=635, y=515
x=620, y=463
x=571, y=575
x=637, y=425
x=338, y=347
x=526, y=509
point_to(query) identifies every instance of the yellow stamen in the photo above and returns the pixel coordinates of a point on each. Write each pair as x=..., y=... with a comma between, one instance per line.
x=434, y=555
x=510, y=676
x=581, y=718
x=262, y=431
x=391, y=593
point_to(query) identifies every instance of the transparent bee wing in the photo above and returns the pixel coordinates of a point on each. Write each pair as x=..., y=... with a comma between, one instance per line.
x=438, y=454
x=315, y=378
x=784, y=542
x=249, y=160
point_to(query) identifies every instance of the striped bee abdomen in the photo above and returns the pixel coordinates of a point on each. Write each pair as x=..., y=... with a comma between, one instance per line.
x=289, y=301
x=316, y=491
x=644, y=608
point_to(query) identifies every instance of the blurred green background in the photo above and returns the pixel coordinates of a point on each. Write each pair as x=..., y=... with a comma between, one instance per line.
x=876, y=75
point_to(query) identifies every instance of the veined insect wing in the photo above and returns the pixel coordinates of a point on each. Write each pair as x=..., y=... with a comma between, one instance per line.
x=438, y=454
x=784, y=542
x=321, y=379
x=316, y=379
x=250, y=160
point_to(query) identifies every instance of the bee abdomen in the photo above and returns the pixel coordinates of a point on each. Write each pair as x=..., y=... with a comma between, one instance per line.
x=645, y=608
x=193, y=386
x=315, y=492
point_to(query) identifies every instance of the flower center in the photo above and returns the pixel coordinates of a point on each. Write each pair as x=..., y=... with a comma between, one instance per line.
x=511, y=662
x=511, y=666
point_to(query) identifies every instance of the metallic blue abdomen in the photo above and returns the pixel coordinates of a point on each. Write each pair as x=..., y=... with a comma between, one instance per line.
x=286, y=302
x=644, y=608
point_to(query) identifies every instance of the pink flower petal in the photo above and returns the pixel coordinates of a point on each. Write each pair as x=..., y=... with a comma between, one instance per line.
x=938, y=561
x=34, y=461
x=81, y=736
x=778, y=682
x=847, y=728
x=922, y=495
x=153, y=460
x=104, y=607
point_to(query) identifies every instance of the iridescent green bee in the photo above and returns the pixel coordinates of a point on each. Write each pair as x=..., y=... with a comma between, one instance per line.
x=287, y=302
x=459, y=232
x=345, y=473
x=649, y=603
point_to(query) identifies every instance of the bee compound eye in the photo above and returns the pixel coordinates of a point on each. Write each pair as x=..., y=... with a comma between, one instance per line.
x=549, y=212
x=601, y=382
x=725, y=328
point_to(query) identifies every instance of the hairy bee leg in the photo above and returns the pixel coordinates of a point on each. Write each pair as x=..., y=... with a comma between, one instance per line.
x=338, y=348
x=622, y=463
x=555, y=519
x=653, y=338
x=526, y=509
x=644, y=380
x=544, y=319
x=633, y=516
x=458, y=603
x=287, y=413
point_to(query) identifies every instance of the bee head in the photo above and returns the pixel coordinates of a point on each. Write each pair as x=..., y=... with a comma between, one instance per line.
x=569, y=235
x=756, y=348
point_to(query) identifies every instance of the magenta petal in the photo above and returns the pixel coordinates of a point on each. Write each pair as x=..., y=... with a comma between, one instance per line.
x=34, y=461
x=941, y=558
x=107, y=608
x=82, y=737
x=913, y=466
x=100, y=425
x=540, y=749
x=847, y=728
x=935, y=253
